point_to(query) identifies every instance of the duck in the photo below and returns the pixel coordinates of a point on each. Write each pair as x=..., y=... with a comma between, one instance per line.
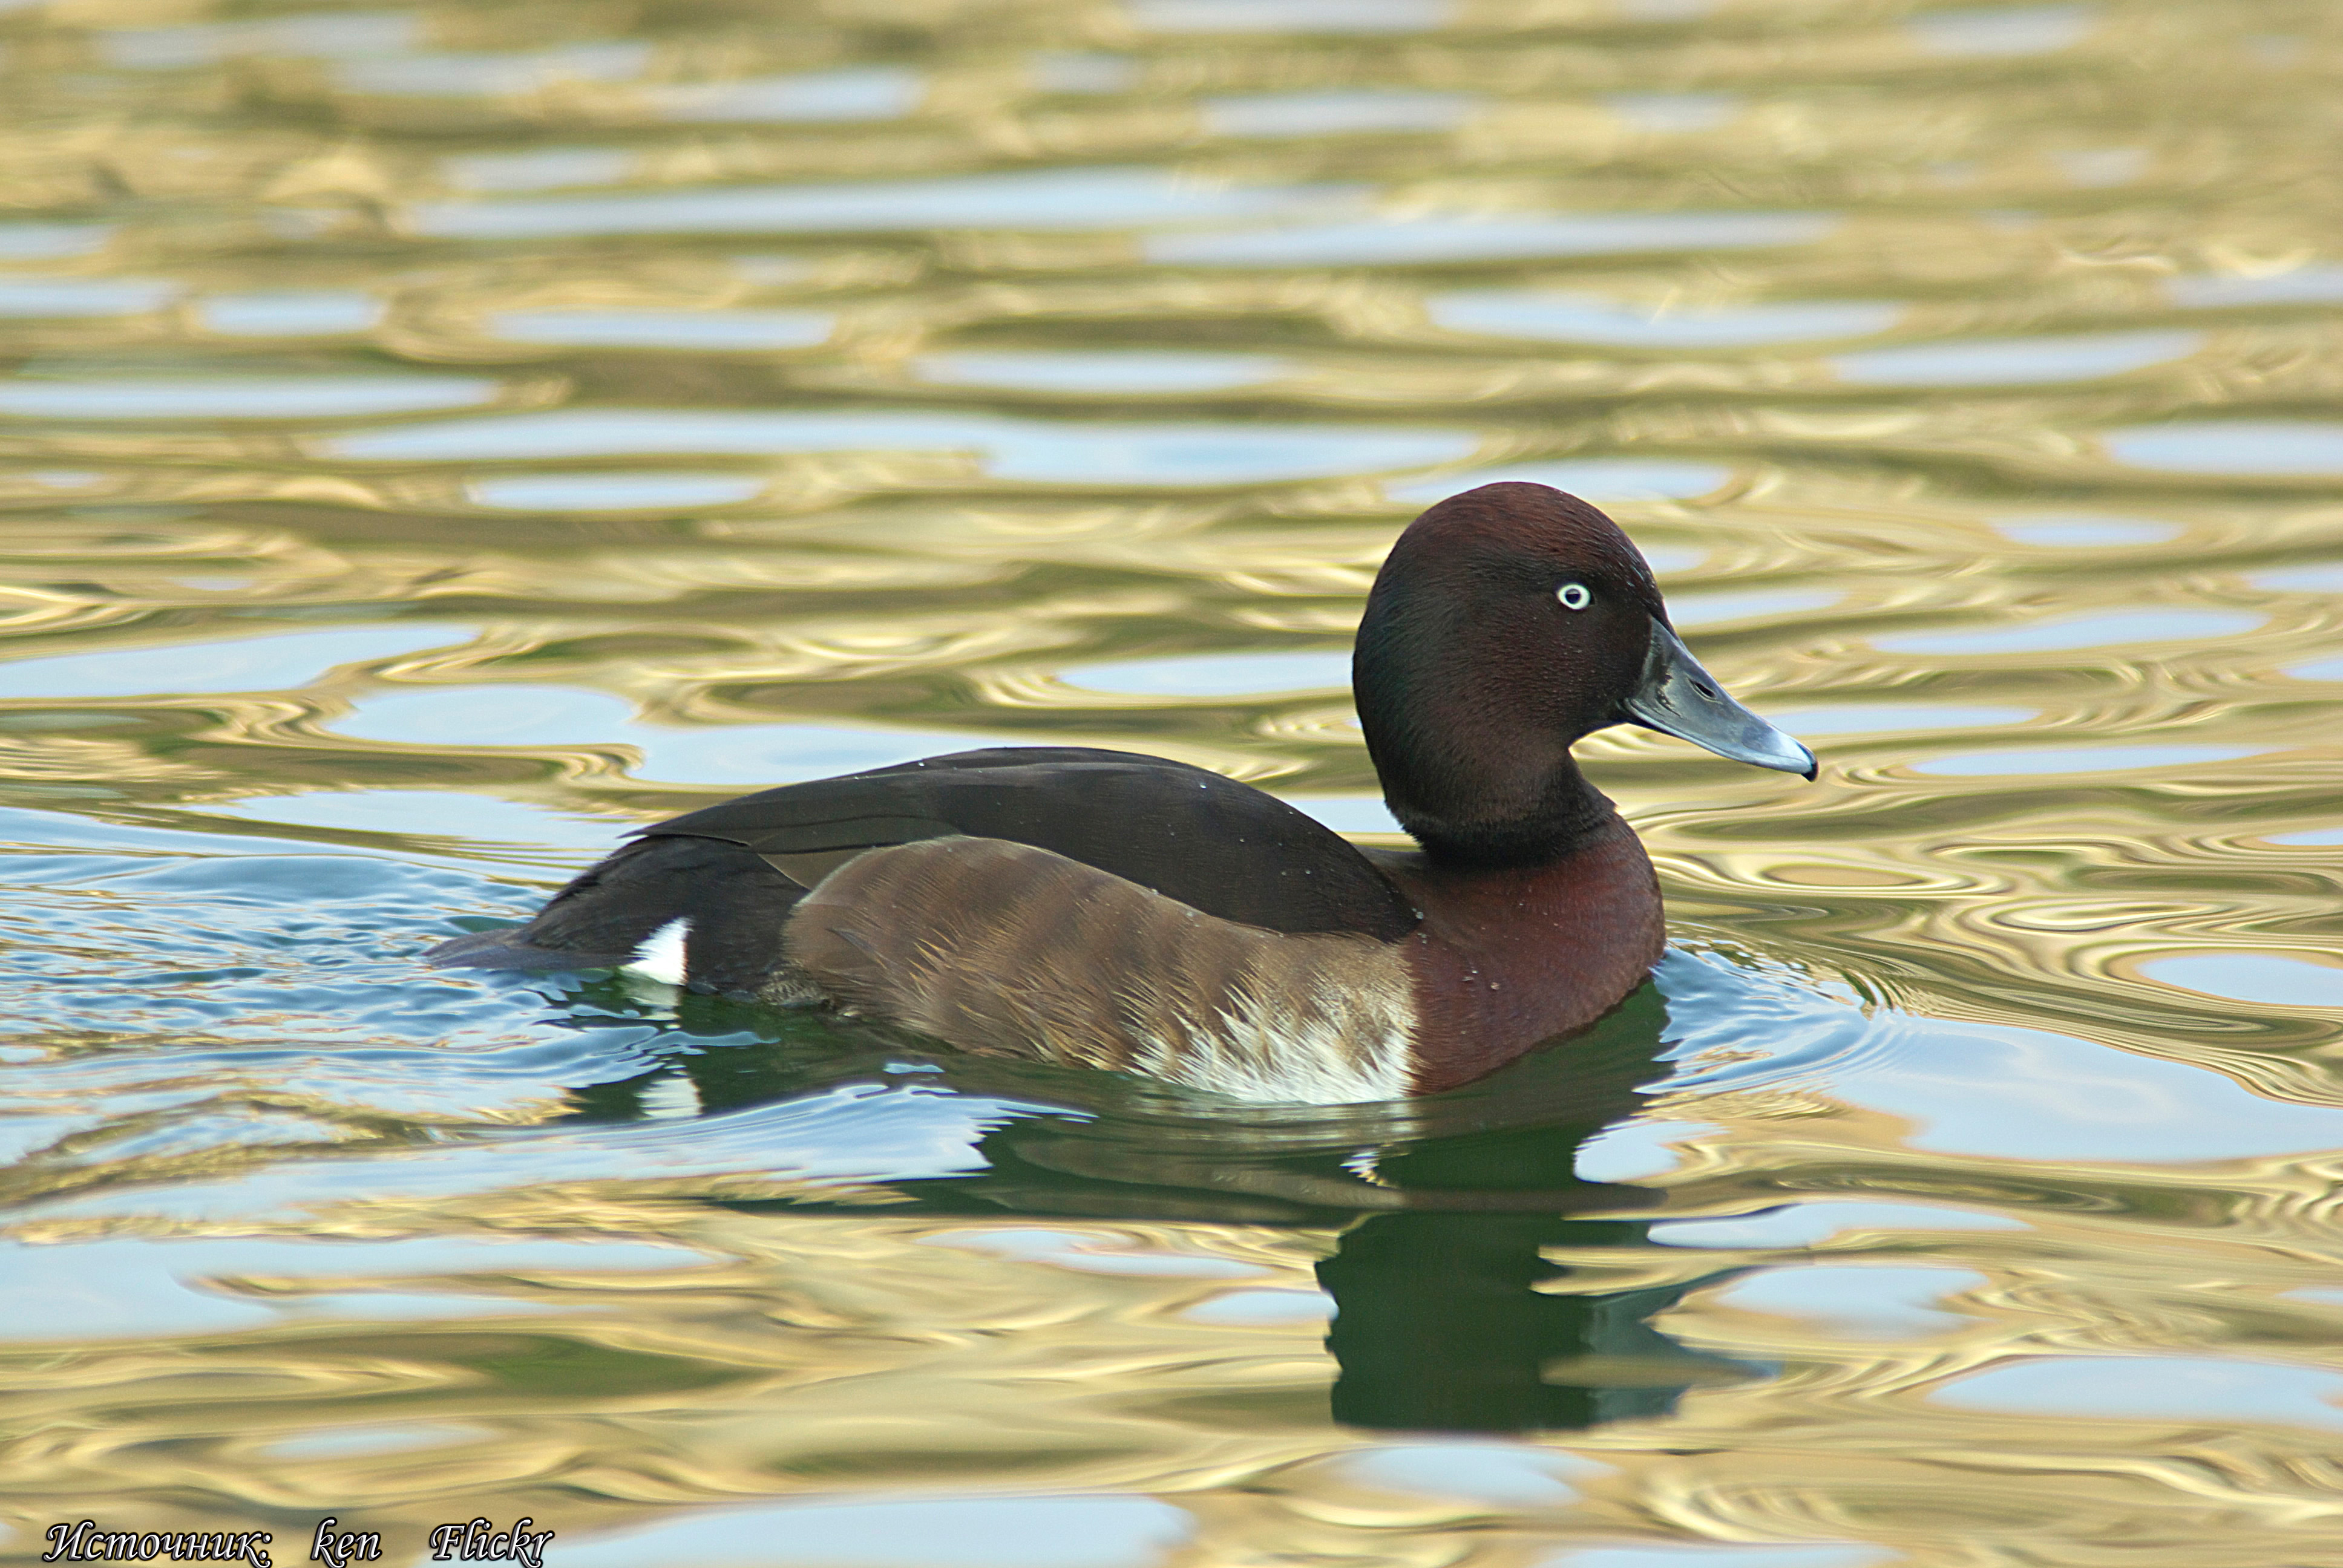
x=1111, y=911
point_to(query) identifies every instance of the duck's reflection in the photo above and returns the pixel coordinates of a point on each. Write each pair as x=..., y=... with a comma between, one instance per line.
x=1449, y=1317
x=1441, y=1326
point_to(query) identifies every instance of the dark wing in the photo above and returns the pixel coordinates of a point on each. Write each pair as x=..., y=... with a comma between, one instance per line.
x=1219, y=845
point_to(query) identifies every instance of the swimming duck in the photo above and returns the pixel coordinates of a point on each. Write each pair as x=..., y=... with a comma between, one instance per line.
x=1111, y=911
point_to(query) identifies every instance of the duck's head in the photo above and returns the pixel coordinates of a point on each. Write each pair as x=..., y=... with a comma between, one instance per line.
x=1507, y=622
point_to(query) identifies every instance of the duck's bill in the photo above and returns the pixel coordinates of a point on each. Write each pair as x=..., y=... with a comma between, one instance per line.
x=1678, y=698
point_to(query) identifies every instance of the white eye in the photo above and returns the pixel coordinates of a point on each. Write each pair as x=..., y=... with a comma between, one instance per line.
x=1573, y=596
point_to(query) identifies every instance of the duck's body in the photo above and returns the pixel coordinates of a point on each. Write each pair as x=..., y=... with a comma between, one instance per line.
x=1105, y=910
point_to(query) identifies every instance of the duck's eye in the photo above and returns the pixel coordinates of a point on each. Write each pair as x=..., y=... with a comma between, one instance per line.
x=1573, y=596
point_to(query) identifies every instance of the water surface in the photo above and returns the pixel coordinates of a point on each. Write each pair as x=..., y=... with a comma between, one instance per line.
x=436, y=440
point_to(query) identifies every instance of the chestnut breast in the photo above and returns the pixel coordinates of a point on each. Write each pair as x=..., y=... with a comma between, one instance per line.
x=1507, y=957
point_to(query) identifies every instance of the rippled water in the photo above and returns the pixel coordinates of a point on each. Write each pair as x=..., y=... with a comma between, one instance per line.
x=440, y=439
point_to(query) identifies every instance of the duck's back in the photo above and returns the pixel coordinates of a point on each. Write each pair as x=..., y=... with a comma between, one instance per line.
x=1225, y=848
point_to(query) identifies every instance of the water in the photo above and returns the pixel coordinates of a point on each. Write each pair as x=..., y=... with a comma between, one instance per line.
x=437, y=440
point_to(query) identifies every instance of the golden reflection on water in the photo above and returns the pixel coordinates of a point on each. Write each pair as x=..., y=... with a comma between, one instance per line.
x=452, y=435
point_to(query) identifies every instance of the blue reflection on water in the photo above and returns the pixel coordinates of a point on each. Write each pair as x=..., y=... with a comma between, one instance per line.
x=2263, y=978
x=2302, y=285
x=243, y=397
x=488, y=714
x=309, y=313
x=2004, y=29
x=1593, y=318
x=2083, y=530
x=2030, y=1094
x=1263, y=1309
x=1331, y=113
x=609, y=491
x=62, y=296
x=2326, y=578
x=736, y=330
x=266, y=661
x=1072, y=199
x=1471, y=236
x=1983, y=362
x=2242, y=447
x=2189, y=1391
x=849, y=93
x=2315, y=836
x=1861, y=1301
x=29, y=241
x=1633, y=1151
x=2322, y=670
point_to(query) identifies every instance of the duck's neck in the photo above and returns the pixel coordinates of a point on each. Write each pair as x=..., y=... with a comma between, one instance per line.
x=1529, y=806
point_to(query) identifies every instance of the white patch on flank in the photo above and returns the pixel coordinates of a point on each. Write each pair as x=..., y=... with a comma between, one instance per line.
x=660, y=958
x=1343, y=1040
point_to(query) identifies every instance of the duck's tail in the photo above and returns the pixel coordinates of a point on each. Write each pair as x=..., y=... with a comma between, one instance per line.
x=691, y=912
